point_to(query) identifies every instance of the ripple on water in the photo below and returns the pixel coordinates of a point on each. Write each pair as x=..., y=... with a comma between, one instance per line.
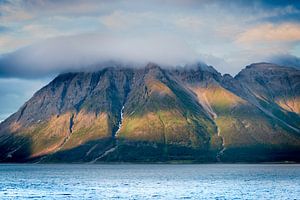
x=150, y=181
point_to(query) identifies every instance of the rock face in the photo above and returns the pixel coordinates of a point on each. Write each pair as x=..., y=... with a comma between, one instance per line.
x=152, y=114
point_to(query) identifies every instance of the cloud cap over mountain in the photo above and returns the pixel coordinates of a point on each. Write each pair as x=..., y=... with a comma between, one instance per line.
x=229, y=34
x=80, y=52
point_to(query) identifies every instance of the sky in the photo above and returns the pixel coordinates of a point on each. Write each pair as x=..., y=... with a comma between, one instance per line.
x=42, y=38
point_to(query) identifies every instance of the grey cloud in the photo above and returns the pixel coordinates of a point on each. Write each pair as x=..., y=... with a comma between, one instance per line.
x=209, y=27
x=79, y=52
x=285, y=60
x=95, y=7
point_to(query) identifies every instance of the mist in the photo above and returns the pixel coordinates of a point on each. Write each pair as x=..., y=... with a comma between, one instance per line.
x=84, y=52
x=285, y=60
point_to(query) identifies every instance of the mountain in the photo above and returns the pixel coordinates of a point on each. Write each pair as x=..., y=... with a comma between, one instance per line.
x=153, y=114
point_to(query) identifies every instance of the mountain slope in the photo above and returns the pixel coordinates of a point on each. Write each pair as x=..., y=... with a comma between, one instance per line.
x=249, y=131
x=159, y=110
x=153, y=114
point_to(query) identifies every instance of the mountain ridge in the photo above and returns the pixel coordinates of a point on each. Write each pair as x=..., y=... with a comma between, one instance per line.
x=154, y=114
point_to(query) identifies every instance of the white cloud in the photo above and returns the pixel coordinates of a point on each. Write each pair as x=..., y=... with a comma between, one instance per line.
x=75, y=52
x=216, y=28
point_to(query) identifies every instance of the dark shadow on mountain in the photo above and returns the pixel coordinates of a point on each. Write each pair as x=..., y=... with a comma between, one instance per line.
x=262, y=153
x=128, y=151
x=14, y=148
x=84, y=153
x=144, y=151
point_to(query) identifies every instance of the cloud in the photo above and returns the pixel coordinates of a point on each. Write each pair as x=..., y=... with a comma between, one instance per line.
x=13, y=11
x=120, y=19
x=285, y=60
x=25, y=10
x=41, y=31
x=81, y=51
x=269, y=33
x=219, y=63
x=9, y=43
x=237, y=32
x=190, y=22
x=4, y=29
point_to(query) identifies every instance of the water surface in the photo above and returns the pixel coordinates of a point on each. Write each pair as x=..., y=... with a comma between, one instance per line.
x=153, y=181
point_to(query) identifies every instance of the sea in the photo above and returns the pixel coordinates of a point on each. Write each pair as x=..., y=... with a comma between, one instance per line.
x=150, y=181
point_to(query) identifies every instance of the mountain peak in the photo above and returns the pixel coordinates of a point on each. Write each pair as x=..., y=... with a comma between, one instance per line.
x=266, y=66
x=260, y=65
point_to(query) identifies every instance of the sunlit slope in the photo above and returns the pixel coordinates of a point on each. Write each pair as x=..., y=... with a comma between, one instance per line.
x=159, y=110
x=244, y=127
x=74, y=110
x=275, y=88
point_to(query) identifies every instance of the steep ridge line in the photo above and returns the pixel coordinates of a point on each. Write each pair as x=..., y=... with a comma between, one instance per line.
x=253, y=100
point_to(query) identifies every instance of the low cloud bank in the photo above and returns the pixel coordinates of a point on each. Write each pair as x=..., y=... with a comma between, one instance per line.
x=79, y=52
x=285, y=60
